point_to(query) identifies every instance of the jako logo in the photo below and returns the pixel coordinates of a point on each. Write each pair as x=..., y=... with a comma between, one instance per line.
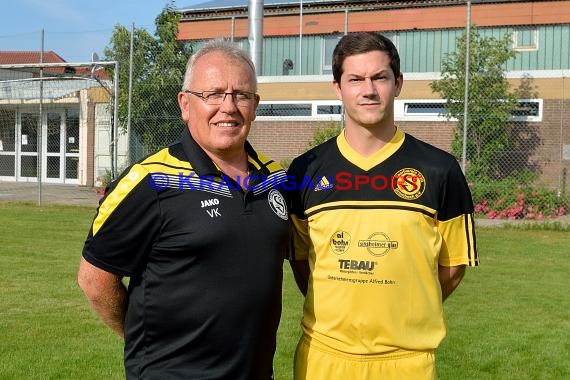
x=209, y=202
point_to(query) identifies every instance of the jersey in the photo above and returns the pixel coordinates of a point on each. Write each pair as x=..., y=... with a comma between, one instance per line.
x=374, y=230
x=204, y=260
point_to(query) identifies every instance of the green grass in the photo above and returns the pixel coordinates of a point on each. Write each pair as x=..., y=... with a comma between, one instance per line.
x=509, y=319
x=47, y=329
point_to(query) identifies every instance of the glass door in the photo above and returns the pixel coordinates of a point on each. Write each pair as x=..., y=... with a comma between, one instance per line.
x=59, y=146
x=28, y=144
x=52, y=163
x=71, y=154
x=8, y=144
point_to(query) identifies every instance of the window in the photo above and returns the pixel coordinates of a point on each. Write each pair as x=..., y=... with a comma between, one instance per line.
x=300, y=110
x=329, y=43
x=329, y=109
x=525, y=39
x=425, y=109
x=284, y=110
x=420, y=110
x=528, y=110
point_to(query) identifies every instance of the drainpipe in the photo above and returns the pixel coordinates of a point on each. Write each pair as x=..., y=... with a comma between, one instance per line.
x=255, y=16
x=300, y=63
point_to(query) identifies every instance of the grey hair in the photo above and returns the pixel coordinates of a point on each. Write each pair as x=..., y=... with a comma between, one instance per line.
x=223, y=46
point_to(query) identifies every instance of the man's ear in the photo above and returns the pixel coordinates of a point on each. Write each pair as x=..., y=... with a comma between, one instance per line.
x=336, y=88
x=184, y=104
x=257, y=99
x=399, y=84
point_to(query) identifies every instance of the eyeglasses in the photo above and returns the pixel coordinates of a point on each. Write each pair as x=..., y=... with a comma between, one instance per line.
x=215, y=98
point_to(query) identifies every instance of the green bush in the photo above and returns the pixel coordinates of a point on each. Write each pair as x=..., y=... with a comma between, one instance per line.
x=511, y=199
x=323, y=134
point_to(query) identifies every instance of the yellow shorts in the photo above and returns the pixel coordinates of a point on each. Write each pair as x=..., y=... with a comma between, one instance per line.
x=315, y=362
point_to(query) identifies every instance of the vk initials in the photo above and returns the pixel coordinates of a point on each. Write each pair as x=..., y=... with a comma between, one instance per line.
x=214, y=213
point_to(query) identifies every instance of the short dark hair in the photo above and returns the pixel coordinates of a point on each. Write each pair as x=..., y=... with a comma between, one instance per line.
x=363, y=42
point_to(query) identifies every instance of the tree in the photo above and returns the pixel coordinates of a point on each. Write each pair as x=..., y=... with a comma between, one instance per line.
x=490, y=103
x=159, y=64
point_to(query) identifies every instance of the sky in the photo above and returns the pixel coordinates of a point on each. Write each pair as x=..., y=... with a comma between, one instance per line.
x=74, y=29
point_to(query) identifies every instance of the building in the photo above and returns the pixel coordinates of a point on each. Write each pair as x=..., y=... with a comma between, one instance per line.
x=298, y=38
x=60, y=126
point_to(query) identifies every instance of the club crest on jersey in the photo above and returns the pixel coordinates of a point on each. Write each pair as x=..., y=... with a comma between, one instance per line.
x=409, y=183
x=277, y=203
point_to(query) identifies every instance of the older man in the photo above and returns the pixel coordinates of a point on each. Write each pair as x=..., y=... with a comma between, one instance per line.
x=201, y=238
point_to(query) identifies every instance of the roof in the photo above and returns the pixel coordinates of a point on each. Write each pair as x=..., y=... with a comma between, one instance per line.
x=52, y=89
x=224, y=4
x=213, y=5
x=12, y=57
x=30, y=57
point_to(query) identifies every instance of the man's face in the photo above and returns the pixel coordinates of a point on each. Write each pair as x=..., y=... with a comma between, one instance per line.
x=367, y=89
x=219, y=129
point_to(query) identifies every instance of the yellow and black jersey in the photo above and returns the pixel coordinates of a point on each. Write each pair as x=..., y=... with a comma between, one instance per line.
x=374, y=230
x=204, y=259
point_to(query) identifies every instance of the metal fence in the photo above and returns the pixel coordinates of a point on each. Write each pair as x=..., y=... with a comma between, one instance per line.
x=58, y=126
x=517, y=163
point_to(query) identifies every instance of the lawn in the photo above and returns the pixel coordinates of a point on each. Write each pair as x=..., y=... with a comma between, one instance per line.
x=509, y=319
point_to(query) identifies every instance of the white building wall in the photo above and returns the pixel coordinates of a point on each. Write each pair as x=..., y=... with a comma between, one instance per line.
x=103, y=144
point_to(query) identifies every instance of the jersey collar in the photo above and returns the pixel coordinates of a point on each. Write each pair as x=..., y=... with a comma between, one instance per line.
x=367, y=163
x=203, y=165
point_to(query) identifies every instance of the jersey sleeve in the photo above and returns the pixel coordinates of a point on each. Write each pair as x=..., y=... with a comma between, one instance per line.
x=125, y=225
x=455, y=221
x=300, y=241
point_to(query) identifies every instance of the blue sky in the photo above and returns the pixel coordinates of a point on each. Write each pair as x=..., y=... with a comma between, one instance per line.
x=74, y=29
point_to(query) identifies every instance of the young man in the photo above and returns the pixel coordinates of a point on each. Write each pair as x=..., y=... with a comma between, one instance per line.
x=200, y=237
x=381, y=237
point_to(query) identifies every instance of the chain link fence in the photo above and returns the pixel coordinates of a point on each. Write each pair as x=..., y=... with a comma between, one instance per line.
x=57, y=127
x=515, y=150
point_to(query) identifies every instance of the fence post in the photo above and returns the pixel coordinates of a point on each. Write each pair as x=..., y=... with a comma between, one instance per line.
x=466, y=89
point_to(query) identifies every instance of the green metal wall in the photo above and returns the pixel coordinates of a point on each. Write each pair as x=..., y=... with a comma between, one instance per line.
x=423, y=50
x=277, y=49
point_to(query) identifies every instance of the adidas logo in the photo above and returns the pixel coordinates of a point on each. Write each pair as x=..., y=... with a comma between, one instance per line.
x=323, y=184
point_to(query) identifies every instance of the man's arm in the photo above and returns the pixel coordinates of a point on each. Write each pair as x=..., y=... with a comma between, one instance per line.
x=106, y=293
x=301, y=272
x=449, y=278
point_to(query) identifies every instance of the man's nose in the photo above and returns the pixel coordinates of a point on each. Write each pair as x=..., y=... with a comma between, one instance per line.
x=368, y=87
x=228, y=103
